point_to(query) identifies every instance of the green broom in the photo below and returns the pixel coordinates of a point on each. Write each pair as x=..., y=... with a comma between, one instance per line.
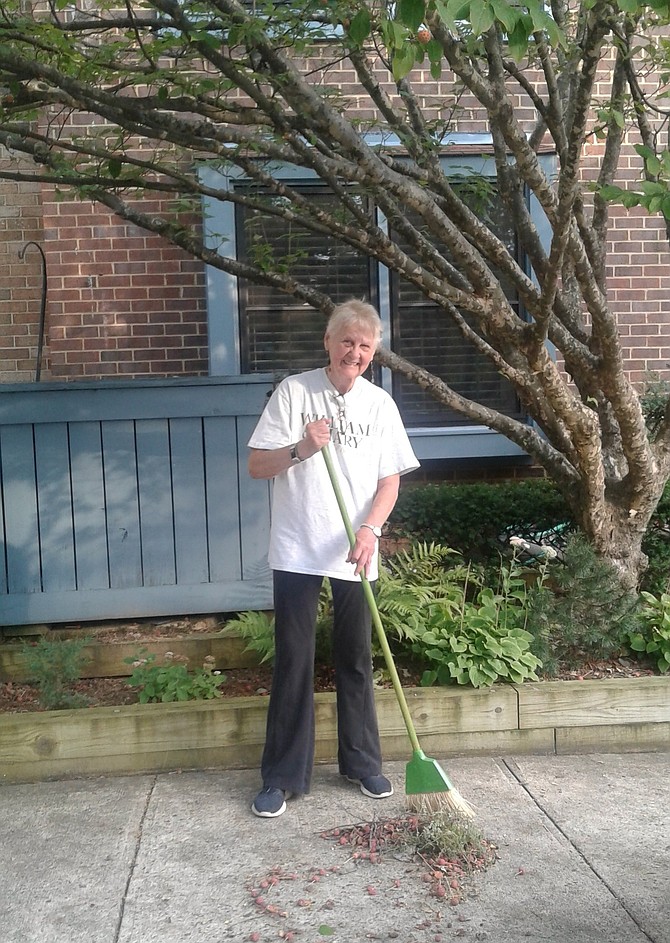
x=427, y=786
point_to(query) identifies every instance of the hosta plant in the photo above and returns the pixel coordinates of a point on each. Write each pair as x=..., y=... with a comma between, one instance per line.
x=476, y=643
x=653, y=637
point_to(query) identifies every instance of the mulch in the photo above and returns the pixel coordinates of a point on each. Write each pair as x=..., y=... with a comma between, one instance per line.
x=247, y=682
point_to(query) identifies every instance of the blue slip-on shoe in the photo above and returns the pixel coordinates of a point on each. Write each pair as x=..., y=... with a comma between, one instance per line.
x=377, y=787
x=270, y=802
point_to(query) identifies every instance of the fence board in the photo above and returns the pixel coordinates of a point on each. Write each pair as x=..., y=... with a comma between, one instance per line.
x=188, y=497
x=122, y=503
x=254, y=511
x=20, y=503
x=3, y=536
x=88, y=506
x=54, y=497
x=223, y=498
x=154, y=476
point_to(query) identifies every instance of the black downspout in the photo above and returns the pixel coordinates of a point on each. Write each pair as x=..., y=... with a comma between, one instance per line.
x=43, y=308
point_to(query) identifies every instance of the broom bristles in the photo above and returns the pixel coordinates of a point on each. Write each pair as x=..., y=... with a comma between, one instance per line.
x=429, y=789
x=448, y=801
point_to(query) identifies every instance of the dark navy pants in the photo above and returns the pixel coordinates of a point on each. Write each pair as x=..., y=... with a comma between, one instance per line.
x=289, y=746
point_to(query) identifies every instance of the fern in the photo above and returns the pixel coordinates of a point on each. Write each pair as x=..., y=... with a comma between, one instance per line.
x=257, y=629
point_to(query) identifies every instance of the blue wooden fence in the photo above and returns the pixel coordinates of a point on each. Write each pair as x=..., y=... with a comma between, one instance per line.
x=131, y=498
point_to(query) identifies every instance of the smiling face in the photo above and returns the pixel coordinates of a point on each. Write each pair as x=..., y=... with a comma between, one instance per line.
x=350, y=348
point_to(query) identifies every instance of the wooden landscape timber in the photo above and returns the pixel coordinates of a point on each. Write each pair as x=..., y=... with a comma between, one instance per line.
x=609, y=715
x=106, y=659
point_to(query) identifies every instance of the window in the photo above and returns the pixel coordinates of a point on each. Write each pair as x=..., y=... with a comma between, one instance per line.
x=280, y=335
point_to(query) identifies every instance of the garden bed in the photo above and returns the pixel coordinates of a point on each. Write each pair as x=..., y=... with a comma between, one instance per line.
x=616, y=706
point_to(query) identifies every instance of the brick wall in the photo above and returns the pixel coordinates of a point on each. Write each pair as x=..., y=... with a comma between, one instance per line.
x=637, y=270
x=122, y=302
x=20, y=279
x=639, y=289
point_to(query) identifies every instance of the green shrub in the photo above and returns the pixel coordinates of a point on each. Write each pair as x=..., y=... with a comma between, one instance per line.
x=54, y=665
x=258, y=631
x=581, y=610
x=653, y=635
x=471, y=518
x=173, y=681
x=410, y=581
x=656, y=545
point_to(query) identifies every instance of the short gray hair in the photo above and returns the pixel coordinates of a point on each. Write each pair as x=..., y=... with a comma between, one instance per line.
x=358, y=313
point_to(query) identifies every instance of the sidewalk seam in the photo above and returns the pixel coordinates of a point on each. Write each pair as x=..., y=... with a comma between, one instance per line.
x=133, y=863
x=515, y=772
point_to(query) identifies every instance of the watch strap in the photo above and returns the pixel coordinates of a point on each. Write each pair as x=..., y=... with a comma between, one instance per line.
x=377, y=531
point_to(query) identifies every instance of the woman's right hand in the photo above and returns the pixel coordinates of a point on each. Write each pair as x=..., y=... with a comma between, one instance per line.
x=316, y=435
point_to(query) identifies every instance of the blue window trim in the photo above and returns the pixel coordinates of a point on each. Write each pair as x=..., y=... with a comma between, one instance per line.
x=453, y=442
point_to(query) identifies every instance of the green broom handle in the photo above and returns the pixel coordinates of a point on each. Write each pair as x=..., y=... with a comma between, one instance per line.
x=372, y=603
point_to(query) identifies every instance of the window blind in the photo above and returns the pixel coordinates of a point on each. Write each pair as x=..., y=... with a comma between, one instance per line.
x=278, y=333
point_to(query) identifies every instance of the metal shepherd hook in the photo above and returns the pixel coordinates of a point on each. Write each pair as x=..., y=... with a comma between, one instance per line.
x=43, y=308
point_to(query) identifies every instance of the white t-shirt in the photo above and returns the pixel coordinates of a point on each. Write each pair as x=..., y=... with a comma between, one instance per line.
x=368, y=442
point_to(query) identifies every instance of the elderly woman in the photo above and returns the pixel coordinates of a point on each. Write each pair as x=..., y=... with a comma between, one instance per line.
x=308, y=542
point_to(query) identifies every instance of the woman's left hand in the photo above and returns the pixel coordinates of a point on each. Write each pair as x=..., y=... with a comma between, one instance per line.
x=363, y=550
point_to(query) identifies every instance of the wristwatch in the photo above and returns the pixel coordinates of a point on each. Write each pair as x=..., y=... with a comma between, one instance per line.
x=377, y=531
x=295, y=458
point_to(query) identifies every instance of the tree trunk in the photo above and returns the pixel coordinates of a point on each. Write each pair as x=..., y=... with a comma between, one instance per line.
x=616, y=532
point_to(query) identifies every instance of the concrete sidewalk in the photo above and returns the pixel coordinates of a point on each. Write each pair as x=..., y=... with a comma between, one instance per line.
x=583, y=842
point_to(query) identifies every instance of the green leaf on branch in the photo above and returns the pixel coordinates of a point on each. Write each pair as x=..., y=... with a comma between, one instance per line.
x=403, y=62
x=455, y=12
x=395, y=35
x=618, y=119
x=505, y=14
x=654, y=165
x=518, y=40
x=610, y=192
x=434, y=51
x=644, y=151
x=629, y=199
x=412, y=13
x=481, y=17
x=543, y=23
x=652, y=188
x=359, y=28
